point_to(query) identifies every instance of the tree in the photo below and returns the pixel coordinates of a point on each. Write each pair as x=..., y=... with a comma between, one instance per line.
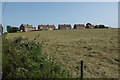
x=96, y=26
x=12, y=29
x=1, y=28
x=100, y=26
x=88, y=24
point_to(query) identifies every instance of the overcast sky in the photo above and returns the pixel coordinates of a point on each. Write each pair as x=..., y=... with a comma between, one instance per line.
x=35, y=13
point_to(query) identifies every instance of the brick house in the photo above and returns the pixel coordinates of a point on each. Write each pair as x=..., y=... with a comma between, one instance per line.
x=27, y=27
x=46, y=27
x=79, y=26
x=65, y=26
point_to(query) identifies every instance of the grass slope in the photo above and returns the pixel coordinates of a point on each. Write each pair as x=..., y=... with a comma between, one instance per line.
x=98, y=48
x=0, y=56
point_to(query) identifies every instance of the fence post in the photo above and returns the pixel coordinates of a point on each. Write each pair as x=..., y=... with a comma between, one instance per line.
x=81, y=70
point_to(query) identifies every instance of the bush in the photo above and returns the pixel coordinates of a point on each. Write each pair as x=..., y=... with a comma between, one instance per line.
x=100, y=26
x=5, y=32
x=12, y=29
x=24, y=59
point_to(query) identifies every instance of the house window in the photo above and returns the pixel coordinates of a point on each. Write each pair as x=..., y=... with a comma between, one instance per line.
x=50, y=28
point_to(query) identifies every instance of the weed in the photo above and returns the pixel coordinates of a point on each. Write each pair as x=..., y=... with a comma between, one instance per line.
x=24, y=59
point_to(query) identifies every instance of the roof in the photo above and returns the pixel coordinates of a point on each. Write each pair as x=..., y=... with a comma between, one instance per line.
x=46, y=26
x=65, y=25
x=79, y=25
x=30, y=26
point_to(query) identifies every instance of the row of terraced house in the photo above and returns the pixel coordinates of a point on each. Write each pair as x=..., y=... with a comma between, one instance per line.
x=28, y=27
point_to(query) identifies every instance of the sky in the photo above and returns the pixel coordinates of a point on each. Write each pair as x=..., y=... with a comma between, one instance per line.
x=36, y=13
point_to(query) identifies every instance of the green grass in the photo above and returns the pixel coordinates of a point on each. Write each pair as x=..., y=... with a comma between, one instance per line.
x=23, y=59
x=0, y=54
x=98, y=48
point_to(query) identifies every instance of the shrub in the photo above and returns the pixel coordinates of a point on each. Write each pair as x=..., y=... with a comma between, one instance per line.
x=24, y=59
x=12, y=29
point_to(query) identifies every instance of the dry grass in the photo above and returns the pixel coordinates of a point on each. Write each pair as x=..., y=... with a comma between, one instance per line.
x=0, y=55
x=98, y=48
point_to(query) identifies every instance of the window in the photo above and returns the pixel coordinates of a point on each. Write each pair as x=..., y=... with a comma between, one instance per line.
x=41, y=27
x=50, y=28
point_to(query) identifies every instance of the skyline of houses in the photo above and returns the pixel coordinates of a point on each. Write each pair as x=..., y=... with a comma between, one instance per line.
x=27, y=27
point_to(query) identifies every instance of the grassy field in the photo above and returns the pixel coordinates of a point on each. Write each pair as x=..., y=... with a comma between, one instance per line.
x=98, y=48
x=0, y=55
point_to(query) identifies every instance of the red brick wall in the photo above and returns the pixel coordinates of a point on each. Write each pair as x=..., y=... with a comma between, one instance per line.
x=22, y=28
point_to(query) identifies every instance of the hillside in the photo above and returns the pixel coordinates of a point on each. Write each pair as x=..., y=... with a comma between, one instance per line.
x=0, y=55
x=98, y=48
